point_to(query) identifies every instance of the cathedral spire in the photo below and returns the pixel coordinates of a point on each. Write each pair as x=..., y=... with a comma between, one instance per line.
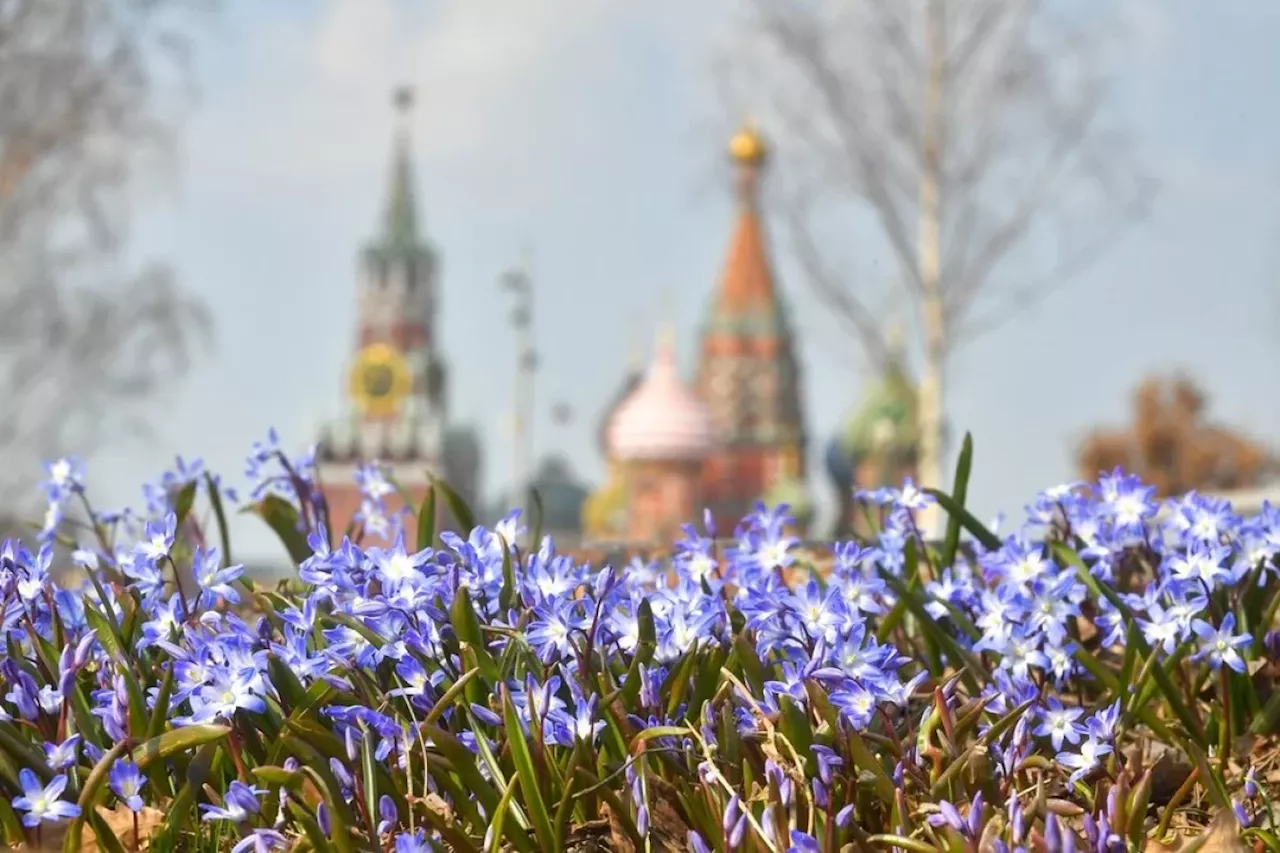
x=747, y=287
x=400, y=219
x=749, y=152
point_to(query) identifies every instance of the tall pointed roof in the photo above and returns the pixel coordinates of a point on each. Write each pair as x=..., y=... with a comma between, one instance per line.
x=747, y=286
x=399, y=233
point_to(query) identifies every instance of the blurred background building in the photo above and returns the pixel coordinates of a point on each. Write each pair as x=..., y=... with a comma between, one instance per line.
x=396, y=401
x=1088, y=181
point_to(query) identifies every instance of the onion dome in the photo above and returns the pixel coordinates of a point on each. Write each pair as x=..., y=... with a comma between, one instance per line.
x=633, y=378
x=887, y=421
x=662, y=420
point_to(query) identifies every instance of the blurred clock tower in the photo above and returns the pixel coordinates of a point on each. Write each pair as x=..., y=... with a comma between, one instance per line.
x=395, y=410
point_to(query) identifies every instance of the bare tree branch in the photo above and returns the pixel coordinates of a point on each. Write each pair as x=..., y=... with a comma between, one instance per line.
x=84, y=341
x=829, y=287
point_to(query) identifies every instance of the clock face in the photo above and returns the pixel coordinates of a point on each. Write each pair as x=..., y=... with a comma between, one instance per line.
x=380, y=380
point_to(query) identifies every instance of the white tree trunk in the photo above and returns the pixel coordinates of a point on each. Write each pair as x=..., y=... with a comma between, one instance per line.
x=929, y=260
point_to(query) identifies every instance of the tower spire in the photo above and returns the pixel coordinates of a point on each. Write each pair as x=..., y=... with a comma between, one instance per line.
x=746, y=286
x=749, y=152
x=400, y=222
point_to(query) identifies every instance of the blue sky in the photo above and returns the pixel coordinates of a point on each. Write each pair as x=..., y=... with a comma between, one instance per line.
x=588, y=132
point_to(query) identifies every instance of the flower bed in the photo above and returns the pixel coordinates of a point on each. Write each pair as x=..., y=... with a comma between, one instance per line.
x=1101, y=679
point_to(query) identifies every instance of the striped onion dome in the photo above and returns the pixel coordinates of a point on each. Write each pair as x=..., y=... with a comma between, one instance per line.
x=661, y=420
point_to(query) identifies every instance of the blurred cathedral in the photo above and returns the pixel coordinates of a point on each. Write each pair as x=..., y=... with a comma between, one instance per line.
x=736, y=435
x=395, y=405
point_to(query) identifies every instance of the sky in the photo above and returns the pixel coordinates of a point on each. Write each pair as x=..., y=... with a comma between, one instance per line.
x=587, y=137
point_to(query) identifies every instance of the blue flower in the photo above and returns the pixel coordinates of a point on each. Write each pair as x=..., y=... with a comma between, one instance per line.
x=62, y=756
x=239, y=803
x=1058, y=723
x=583, y=725
x=127, y=781
x=1221, y=645
x=214, y=581
x=261, y=841
x=42, y=803
x=1090, y=755
x=415, y=843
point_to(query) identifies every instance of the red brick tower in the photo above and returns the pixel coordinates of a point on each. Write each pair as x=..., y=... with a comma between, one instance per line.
x=395, y=406
x=749, y=375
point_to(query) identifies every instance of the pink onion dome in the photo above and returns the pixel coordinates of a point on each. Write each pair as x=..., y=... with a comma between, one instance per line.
x=662, y=419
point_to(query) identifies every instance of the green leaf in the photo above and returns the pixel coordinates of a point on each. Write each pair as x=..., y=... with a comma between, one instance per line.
x=160, y=712
x=184, y=501
x=108, y=632
x=457, y=506
x=338, y=808
x=566, y=796
x=974, y=672
x=678, y=681
x=89, y=795
x=1138, y=803
x=912, y=844
x=292, y=693
x=180, y=809
x=535, y=542
x=495, y=830
x=795, y=725
x=370, y=780
x=319, y=737
x=655, y=732
x=282, y=517
x=706, y=680
x=998, y=728
x=976, y=528
x=463, y=762
x=509, y=595
x=11, y=831
x=276, y=775
x=450, y=696
x=646, y=646
x=319, y=841
x=523, y=762
x=341, y=836
x=26, y=753
x=427, y=518
x=220, y=515
x=175, y=741
x=467, y=626
x=959, y=492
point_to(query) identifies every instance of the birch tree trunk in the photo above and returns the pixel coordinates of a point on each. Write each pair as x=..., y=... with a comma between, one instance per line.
x=929, y=264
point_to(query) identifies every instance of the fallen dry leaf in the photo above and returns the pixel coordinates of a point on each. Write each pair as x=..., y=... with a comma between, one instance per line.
x=120, y=821
x=1222, y=835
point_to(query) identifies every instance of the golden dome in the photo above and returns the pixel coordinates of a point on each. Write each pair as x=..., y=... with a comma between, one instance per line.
x=747, y=145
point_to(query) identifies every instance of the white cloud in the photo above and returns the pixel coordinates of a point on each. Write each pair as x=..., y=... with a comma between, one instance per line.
x=502, y=87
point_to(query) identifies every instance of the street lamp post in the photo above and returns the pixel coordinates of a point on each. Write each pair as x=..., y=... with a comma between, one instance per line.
x=520, y=285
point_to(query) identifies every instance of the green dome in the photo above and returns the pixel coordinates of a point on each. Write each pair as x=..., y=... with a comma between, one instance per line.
x=792, y=492
x=887, y=419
